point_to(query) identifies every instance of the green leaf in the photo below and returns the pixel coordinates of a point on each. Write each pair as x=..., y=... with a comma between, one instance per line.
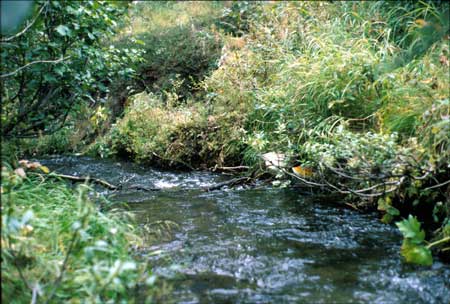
x=140, y=42
x=416, y=254
x=63, y=30
x=410, y=228
x=387, y=218
x=59, y=70
x=49, y=78
x=382, y=204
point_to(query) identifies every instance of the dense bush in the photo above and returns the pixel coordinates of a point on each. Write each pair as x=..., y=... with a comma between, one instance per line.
x=181, y=46
x=185, y=136
x=59, y=63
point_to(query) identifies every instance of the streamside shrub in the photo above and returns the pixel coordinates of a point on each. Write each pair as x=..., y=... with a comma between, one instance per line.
x=60, y=64
x=183, y=137
x=357, y=98
x=355, y=95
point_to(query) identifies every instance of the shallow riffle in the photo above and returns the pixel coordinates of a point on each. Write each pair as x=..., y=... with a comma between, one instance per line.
x=262, y=245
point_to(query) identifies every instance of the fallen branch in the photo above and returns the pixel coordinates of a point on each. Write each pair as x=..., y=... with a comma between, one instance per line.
x=236, y=168
x=86, y=179
x=137, y=187
x=230, y=183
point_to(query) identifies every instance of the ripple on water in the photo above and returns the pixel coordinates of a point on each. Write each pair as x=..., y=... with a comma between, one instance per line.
x=265, y=246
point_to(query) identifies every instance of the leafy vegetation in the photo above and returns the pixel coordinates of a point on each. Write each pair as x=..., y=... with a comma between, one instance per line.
x=180, y=48
x=59, y=65
x=356, y=93
x=354, y=96
x=62, y=244
x=57, y=245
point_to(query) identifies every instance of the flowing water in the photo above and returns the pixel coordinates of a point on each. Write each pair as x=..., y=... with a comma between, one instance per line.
x=262, y=245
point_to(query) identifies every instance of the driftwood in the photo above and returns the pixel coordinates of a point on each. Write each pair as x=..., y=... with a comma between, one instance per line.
x=232, y=169
x=86, y=179
x=137, y=187
x=230, y=183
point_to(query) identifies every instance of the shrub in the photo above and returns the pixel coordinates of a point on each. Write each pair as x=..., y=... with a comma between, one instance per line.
x=183, y=136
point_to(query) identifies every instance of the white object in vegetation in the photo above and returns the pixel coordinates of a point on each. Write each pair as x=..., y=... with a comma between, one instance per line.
x=275, y=161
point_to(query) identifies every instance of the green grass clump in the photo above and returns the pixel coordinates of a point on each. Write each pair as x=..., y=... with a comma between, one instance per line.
x=58, y=246
x=297, y=68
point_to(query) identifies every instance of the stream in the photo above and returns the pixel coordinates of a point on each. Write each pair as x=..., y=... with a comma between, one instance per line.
x=261, y=245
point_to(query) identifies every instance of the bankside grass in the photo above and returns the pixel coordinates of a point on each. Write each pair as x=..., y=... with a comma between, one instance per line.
x=304, y=63
x=57, y=246
x=159, y=16
x=358, y=88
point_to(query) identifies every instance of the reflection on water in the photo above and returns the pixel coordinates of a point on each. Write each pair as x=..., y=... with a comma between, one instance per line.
x=264, y=246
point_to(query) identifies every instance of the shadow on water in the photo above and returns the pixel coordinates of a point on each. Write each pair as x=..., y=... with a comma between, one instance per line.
x=264, y=246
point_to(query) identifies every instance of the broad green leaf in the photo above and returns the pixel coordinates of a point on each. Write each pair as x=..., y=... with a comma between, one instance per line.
x=393, y=211
x=382, y=204
x=416, y=254
x=59, y=70
x=410, y=228
x=49, y=78
x=387, y=218
x=140, y=42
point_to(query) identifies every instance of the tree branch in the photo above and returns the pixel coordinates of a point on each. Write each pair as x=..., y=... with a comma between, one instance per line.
x=32, y=63
x=230, y=183
x=438, y=185
x=85, y=179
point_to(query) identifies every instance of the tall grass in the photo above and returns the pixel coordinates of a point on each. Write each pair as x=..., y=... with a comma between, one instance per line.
x=303, y=67
x=57, y=246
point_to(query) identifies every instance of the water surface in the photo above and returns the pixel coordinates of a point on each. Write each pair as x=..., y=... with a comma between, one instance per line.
x=262, y=245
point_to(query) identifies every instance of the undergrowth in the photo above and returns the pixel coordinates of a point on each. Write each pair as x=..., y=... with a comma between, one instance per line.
x=60, y=244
